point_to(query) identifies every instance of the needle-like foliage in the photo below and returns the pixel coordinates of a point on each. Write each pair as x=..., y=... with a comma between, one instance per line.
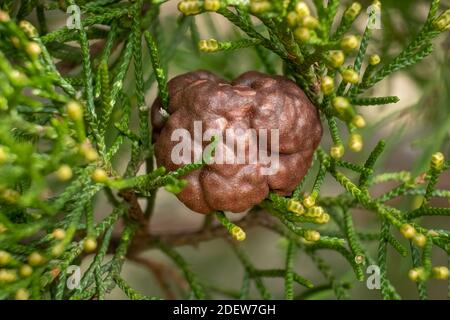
x=67, y=100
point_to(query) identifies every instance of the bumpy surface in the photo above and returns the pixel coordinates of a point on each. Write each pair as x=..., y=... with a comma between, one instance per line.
x=254, y=100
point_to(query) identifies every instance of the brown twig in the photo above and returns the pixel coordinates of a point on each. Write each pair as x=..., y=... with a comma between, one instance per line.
x=144, y=241
x=161, y=273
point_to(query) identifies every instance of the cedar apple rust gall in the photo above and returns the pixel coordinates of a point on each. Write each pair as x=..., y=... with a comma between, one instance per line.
x=262, y=131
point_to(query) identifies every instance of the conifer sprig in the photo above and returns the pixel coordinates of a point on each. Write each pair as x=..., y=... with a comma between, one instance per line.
x=68, y=100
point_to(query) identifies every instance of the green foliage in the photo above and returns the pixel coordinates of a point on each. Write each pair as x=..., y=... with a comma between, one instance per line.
x=67, y=115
